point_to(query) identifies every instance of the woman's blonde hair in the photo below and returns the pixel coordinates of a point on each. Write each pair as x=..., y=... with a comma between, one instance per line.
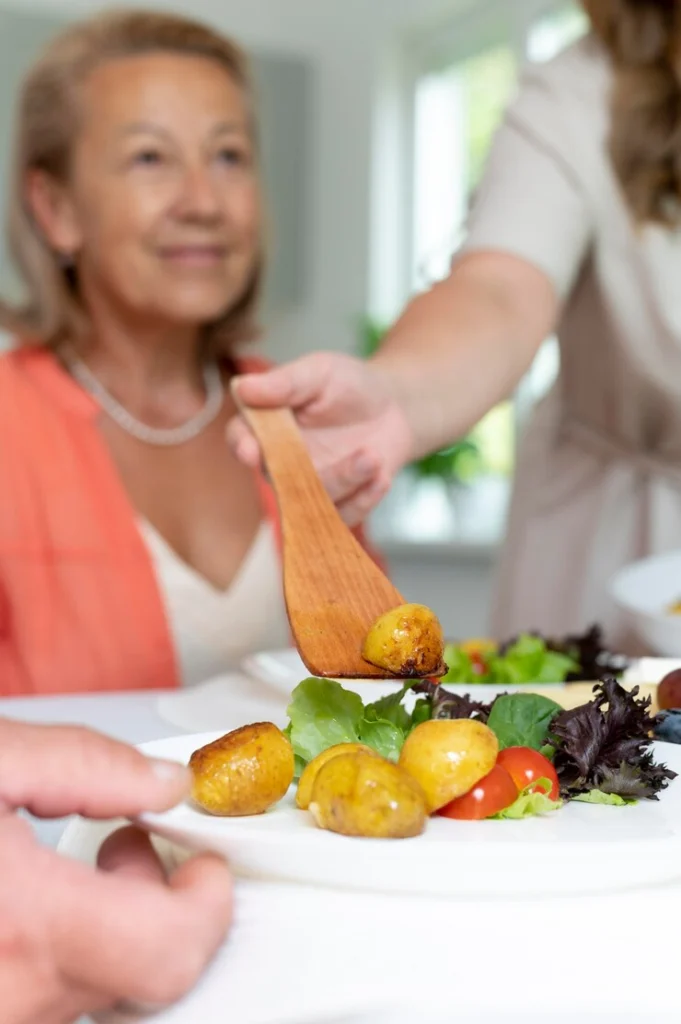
x=643, y=40
x=47, y=122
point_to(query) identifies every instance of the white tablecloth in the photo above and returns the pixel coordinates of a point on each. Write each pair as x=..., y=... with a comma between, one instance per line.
x=300, y=955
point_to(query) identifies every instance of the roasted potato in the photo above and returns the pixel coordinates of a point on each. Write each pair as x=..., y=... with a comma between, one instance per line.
x=447, y=757
x=306, y=781
x=244, y=772
x=363, y=794
x=406, y=641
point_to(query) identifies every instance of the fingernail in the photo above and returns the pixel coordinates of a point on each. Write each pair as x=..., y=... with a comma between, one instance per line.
x=168, y=771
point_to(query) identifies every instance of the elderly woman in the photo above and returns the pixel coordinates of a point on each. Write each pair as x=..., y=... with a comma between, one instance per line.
x=135, y=550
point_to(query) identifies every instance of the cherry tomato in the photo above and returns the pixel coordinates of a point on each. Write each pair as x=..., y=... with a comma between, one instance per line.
x=479, y=650
x=489, y=796
x=478, y=663
x=525, y=765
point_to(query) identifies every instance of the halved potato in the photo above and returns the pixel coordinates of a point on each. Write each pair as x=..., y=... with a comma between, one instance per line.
x=448, y=756
x=363, y=794
x=307, y=779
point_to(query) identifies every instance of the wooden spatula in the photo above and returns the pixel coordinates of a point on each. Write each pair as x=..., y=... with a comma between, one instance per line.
x=334, y=591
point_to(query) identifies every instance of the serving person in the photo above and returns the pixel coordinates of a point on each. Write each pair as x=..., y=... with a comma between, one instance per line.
x=576, y=229
x=135, y=550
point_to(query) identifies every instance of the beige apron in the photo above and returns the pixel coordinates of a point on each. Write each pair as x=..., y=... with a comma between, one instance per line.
x=598, y=481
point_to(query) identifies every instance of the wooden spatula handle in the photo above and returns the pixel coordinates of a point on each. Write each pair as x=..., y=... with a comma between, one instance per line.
x=334, y=591
x=287, y=460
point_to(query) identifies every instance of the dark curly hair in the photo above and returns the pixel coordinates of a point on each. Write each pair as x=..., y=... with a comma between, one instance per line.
x=643, y=40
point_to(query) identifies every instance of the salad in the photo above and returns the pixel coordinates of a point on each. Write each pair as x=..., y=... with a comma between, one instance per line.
x=381, y=769
x=532, y=658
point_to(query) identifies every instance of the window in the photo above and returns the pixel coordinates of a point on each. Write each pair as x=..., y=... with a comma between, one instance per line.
x=460, y=83
x=548, y=35
x=471, y=96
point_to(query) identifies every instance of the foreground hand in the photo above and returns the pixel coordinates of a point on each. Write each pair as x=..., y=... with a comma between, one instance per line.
x=77, y=940
x=353, y=425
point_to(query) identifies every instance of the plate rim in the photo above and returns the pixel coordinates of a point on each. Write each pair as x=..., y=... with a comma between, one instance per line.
x=323, y=837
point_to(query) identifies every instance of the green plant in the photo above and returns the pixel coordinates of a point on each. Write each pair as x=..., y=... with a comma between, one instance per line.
x=461, y=461
x=371, y=334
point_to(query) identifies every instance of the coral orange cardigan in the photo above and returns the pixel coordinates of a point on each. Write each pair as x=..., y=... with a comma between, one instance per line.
x=80, y=608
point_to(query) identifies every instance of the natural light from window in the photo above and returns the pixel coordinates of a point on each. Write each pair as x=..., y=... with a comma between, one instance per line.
x=457, y=107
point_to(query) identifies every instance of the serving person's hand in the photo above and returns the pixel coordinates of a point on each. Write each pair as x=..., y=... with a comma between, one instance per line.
x=75, y=939
x=354, y=426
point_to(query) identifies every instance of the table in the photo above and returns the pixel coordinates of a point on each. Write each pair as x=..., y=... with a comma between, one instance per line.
x=483, y=963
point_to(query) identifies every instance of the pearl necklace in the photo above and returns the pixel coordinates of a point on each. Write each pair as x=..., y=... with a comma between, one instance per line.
x=167, y=436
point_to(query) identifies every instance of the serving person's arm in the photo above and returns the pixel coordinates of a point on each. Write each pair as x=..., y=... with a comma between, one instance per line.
x=75, y=940
x=464, y=344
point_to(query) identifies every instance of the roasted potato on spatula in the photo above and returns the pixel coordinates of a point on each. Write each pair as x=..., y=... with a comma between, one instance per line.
x=408, y=642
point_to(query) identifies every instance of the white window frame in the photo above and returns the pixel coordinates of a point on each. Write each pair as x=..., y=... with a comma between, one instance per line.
x=486, y=24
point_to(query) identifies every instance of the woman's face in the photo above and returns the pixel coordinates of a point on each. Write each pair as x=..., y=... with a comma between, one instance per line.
x=161, y=209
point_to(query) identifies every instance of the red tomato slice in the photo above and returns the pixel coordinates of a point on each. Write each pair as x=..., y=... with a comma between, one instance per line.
x=489, y=796
x=525, y=766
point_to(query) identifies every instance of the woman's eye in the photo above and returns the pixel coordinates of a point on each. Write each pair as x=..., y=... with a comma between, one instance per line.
x=148, y=157
x=232, y=155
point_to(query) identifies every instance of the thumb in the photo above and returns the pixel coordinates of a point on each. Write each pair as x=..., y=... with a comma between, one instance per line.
x=293, y=385
x=54, y=770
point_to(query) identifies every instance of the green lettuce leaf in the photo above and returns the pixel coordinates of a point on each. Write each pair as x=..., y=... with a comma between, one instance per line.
x=528, y=660
x=390, y=709
x=423, y=712
x=322, y=713
x=522, y=719
x=597, y=796
x=385, y=724
x=555, y=668
x=383, y=737
x=459, y=666
x=528, y=805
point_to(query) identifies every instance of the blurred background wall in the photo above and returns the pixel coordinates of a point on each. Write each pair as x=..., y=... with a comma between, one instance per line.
x=377, y=115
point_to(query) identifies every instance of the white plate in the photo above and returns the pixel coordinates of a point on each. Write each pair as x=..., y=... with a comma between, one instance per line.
x=644, y=590
x=649, y=671
x=283, y=670
x=225, y=703
x=581, y=848
x=228, y=701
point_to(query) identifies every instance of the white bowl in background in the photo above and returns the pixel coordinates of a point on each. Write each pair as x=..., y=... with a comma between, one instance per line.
x=644, y=591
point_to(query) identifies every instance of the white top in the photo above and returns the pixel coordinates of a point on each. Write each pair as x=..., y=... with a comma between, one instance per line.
x=215, y=629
